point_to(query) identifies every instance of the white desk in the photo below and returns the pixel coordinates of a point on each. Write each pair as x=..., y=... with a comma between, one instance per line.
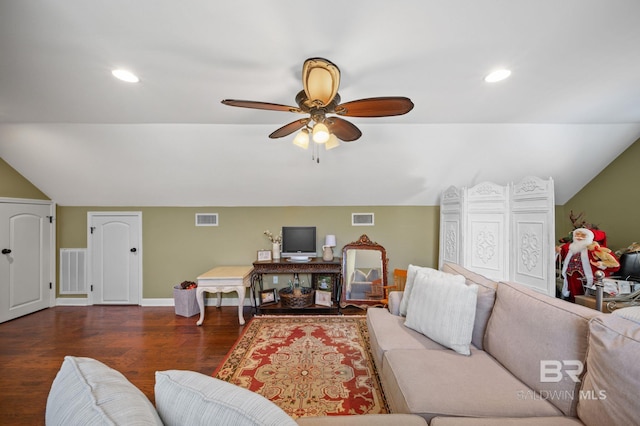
x=224, y=279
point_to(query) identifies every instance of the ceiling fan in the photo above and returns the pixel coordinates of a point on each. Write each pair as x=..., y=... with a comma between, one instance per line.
x=321, y=101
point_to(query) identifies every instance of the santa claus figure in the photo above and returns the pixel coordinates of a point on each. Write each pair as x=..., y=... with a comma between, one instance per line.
x=582, y=257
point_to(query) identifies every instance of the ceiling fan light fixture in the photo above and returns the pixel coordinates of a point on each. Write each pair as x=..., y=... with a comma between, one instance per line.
x=319, y=100
x=125, y=75
x=320, y=133
x=302, y=139
x=321, y=80
x=333, y=142
x=497, y=75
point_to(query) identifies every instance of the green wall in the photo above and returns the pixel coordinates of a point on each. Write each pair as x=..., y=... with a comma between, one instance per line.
x=611, y=200
x=14, y=185
x=174, y=249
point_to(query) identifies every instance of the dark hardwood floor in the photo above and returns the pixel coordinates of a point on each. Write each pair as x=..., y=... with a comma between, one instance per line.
x=137, y=341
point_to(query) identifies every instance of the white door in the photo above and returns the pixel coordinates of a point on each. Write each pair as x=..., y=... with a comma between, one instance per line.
x=115, y=258
x=26, y=235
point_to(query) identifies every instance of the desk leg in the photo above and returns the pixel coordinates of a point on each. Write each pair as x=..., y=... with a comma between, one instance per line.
x=200, y=299
x=219, y=299
x=241, y=292
x=256, y=280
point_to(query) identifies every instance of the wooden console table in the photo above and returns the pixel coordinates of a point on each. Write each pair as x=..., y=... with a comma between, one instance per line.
x=223, y=279
x=315, y=266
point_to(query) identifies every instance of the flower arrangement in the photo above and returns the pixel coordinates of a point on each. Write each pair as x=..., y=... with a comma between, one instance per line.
x=188, y=285
x=275, y=240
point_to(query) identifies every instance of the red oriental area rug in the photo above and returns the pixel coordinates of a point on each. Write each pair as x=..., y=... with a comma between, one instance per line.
x=307, y=365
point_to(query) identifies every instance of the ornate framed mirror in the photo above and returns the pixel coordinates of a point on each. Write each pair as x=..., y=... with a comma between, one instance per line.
x=364, y=273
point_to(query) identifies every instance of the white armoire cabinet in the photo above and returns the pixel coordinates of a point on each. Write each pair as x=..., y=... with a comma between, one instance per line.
x=504, y=232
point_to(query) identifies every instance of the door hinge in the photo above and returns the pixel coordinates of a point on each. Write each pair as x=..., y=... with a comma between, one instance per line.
x=91, y=287
x=50, y=286
x=50, y=219
x=93, y=228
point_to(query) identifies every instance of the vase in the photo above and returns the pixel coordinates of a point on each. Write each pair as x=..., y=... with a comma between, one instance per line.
x=275, y=251
x=327, y=253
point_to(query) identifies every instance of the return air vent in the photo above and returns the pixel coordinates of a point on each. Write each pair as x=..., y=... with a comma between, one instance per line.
x=206, y=219
x=73, y=271
x=362, y=219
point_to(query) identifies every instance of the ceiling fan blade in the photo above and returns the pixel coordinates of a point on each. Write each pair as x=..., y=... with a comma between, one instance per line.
x=287, y=129
x=343, y=129
x=261, y=105
x=376, y=107
x=320, y=79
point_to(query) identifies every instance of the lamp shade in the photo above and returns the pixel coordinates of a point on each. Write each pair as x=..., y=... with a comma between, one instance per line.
x=330, y=241
x=333, y=142
x=302, y=139
x=320, y=133
x=320, y=79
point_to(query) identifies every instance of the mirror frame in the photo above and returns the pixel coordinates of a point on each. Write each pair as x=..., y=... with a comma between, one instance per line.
x=363, y=243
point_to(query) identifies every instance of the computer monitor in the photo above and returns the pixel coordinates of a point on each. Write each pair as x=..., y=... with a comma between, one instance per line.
x=299, y=242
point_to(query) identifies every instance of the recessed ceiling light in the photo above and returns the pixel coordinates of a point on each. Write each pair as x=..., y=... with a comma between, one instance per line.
x=125, y=75
x=497, y=75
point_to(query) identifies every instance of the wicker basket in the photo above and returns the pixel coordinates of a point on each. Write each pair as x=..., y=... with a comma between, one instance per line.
x=289, y=300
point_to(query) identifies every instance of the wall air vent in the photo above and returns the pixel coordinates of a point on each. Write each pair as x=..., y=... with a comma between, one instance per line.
x=362, y=219
x=206, y=219
x=73, y=271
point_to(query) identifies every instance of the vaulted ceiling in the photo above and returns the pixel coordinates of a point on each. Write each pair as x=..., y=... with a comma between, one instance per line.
x=571, y=105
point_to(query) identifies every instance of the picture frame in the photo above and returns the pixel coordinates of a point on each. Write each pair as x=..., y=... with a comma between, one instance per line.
x=323, y=298
x=323, y=282
x=268, y=297
x=264, y=255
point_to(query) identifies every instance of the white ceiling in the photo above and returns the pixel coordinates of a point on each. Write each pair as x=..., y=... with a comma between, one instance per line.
x=570, y=107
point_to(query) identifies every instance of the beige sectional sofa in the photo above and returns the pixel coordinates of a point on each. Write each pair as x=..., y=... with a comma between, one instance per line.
x=526, y=360
x=511, y=332
x=88, y=392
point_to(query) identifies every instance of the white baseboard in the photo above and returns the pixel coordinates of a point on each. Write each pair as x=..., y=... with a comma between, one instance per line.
x=209, y=301
x=72, y=301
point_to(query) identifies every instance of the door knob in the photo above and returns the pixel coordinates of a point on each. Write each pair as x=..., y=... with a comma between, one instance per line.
x=6, y=251
x=133, y=250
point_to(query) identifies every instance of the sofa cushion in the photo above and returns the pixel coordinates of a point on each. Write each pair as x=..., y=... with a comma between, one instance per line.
x=505, y=421
x=527, y=329
x=359, y=290
x=412, y=272
x=395, y=298
x=364, y=420
x=442, y=383
x=87, y=392
x=388, y=332
x=191, y=398
x=486, y=299
x=609, y=393
x=632, y=313
x=443, y=308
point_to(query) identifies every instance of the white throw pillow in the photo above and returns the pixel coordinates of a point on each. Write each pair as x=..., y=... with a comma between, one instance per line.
x=412, y=271
x=87, y=392
x=632, y=313
x=191, y=398
x=359, y=276
x=443, y=308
